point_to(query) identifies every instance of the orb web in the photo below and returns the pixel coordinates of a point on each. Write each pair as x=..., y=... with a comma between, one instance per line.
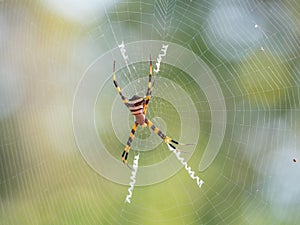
x=248, y=60
x=228, y=83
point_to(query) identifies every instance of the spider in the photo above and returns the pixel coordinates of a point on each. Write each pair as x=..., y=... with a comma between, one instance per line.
x=138, y=107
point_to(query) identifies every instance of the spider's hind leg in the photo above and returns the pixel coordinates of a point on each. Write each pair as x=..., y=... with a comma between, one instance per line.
x=128, y=145
x=169, y=141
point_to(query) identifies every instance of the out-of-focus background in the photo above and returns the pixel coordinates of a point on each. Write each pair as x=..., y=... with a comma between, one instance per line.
x=228, y=83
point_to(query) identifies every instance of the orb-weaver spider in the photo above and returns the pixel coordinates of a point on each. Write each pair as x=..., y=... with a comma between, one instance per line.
x=138, y=107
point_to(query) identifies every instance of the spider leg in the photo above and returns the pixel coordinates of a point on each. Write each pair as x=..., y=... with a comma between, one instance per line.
x=149, y=90
x=128, y=145
x=125, y=100
x=169, y=141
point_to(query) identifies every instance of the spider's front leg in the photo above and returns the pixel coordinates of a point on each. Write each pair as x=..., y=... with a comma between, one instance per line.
x=149, y=89
x=128, y=145
x=124, y=99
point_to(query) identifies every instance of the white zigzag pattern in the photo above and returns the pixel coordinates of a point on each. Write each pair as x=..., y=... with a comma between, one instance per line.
x=187, y=168
x=132, y=177
x=164, y=52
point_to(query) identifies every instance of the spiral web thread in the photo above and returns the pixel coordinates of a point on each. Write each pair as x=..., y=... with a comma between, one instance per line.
x=260, y=29
x=251, y=46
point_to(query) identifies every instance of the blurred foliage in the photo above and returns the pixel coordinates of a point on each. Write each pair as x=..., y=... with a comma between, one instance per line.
x=266, y=81
x=45, y=180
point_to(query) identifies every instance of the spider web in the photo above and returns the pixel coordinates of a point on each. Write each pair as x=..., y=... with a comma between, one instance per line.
x=228, y=83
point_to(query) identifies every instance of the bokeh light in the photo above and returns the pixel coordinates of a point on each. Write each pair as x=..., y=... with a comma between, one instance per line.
x=228, y=84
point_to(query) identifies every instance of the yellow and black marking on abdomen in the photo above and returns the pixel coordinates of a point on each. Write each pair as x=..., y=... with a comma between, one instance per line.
x=136, y=105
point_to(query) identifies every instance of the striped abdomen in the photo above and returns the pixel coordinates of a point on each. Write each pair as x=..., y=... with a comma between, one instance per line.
x=136, y=107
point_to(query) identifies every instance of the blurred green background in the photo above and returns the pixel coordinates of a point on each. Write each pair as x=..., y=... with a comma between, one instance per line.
x=252, y=47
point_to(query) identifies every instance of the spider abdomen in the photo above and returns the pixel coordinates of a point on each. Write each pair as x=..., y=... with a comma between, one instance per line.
x=140, y=119
x=136, y=107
